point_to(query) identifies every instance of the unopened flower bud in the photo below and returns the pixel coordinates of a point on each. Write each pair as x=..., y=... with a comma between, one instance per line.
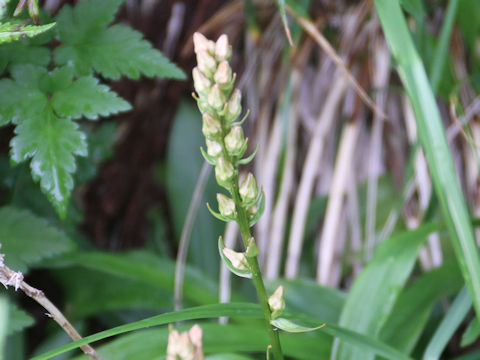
x=201, y=82
x=234, y=106
x=223, y=50
x=277, y=302
x=252, y=211
x=186, y=345
x=226, y=205
x=223, y=75
x=211, y=126
x=248, y=189
x=235, y=141
x=206, y=63
x=214, y=148
x=216, y=98
x=223, y=171
x=238, y=260
x=200, y=42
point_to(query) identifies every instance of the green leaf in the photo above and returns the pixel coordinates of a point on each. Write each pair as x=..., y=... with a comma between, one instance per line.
x=471, y=334
x=379, y=285
x=433, y=139
x=219, y=341
x=18, y=320
x=290, y=326
x=36, y=102
x=51, y=143
x=21, y=52
x=244, y=311
x=414, y=306
x=87, y=98
x=449, y=324
x=144, y=268
x=114, y=51
x=83, y=22
x=10, y=32
x=27, y=239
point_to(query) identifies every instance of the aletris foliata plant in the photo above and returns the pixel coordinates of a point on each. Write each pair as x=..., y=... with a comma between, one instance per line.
x=220, y=105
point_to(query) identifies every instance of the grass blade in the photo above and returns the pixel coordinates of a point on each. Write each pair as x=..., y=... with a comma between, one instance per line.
x=432, y=137
x=379, y=286
x=450, y=323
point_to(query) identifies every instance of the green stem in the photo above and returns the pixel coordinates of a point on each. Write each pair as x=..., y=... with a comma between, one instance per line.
x=243, y=223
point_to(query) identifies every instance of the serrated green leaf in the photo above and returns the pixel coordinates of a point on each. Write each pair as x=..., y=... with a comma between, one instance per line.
x=36, y=102
x=10, y=32
x=116, y=51
x=18, y=319
x=27, y=239
x=291, y=327
x=84, y=21
x=86, y=97
x=22, y=52
x=51, y=142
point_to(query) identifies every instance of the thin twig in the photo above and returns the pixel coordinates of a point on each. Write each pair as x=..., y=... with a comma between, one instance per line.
x=8, y=277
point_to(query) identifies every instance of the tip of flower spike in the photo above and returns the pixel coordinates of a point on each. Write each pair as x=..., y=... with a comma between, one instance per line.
x=200, y=42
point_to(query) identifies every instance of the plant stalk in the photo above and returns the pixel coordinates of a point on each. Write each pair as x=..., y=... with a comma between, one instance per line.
x=244, y=226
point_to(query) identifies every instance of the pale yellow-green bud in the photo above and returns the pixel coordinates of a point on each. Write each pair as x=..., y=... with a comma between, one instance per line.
x=252, y=211
x=234, y=106
x=277, y=302
x=248, y=189
x=214, y=148
x=238, y=260
x=216, y=98
x=223, y=171
x=206, y=63
x=201, y=82
x=223, y=75
x=226, y=206
x=211, y=127
x=200, y=42
x=223, y=50
x=235, y=141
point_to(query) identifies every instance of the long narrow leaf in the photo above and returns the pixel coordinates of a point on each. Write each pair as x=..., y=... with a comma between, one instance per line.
x=241, y=310
x=375, y=290
x=450, y=323
x=432, y=137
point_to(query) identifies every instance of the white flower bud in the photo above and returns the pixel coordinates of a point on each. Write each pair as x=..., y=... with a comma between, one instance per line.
x=211, y=126
x=234, y=106
x=223, y=171
x=201, y=82
x=223, y=75
x=223, y=50
x=235, y=141
x=206, y=63
x=200, y=42
x=216, y=98
x=238, y=260
x=248, y=189
x=277, y=302
x=214, y=148
x=226, y=206
x=186, y=345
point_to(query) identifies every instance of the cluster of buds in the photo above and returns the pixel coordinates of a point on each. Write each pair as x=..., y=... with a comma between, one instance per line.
x=186, y=345
x=220, y=105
